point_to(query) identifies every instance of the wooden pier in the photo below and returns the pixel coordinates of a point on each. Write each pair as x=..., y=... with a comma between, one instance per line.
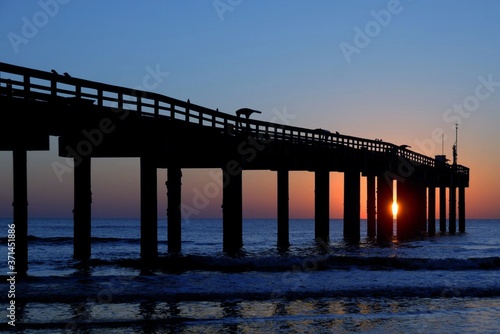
x=95, y=120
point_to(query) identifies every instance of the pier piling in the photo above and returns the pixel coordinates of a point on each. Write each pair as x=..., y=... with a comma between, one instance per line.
x=461, y=209
x=232, y=210
x=371, y=211
x=452, y=220
x=82, y=209
x=431, y=227
x=384, y=208
x=405, y=223
x=442, y=209
x=21, y=209
x=283, y=208
x=149, y=207
x=352, y=205
x=322, y=205
x=421, y=192
x=412, y=214
x=174, y=185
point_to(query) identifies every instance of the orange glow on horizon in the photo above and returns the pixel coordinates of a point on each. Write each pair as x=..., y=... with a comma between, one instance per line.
x=395, y=208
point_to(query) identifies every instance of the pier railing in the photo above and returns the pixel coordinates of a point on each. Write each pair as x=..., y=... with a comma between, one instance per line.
x=21, y=82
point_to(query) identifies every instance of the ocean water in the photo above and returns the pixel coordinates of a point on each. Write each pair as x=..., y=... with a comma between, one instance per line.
x=440, y=284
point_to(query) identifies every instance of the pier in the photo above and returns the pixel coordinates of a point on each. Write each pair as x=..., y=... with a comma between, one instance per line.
x=96, y=120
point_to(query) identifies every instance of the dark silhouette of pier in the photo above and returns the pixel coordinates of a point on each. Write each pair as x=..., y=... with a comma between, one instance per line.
x=94, y=120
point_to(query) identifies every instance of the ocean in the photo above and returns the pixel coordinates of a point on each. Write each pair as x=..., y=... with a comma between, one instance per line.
x=439, y=284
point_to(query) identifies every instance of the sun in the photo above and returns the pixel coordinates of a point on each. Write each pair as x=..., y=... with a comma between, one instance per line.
x=394, y=209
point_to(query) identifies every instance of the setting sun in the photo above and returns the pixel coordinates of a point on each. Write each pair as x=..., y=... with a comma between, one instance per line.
x=394, y=209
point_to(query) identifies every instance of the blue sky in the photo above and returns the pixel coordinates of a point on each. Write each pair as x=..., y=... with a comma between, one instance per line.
x=273, y=56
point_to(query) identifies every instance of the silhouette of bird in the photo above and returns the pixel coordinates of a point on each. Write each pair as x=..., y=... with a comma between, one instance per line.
x=189, y=101
x=246, y=112
x=336, y=132
x=323, y=133
x=320, y=130
x=67, y=75
x=54, y=72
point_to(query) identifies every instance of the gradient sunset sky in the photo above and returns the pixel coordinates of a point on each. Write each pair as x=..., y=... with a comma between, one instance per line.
x=404, y=71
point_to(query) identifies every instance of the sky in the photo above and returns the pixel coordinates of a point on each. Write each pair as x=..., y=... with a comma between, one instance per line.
x=403, y=71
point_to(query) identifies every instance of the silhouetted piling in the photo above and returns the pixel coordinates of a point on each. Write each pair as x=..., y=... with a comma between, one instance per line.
x=384, y=208
x=442, y=209
x=20, y=211
x=431, y=227
x=322, y=205
x=461, y=209
x=174, y=185
x=411, y=198
x=149, y=207
x=405, y=223
x=352, y=205
x=421, y=192
x=370, y=198
x=283, y=208
x=452, y=221
x=232, y=209
x=82, y=210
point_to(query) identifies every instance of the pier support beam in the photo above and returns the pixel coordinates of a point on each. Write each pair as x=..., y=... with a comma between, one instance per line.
x=174, y=185
x=421, y=192
x=82, y=209
x=232, y=209
x=149, y=207
x=384, y=208
x=431, y=228
x=322, y=205
x=370, y=198
x=452, y=220
x=442, y=209
x=283, y=206
x=20, y=210
x=352, y=205
x=461, y=209
x=406, y=219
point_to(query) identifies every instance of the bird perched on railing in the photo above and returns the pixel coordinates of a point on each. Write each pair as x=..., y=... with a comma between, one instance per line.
x=246, y=112
x=67, y=75
x=54, y=72
x=322, y=133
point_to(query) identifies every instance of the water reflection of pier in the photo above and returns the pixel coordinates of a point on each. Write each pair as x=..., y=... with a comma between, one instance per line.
x=243, y=316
